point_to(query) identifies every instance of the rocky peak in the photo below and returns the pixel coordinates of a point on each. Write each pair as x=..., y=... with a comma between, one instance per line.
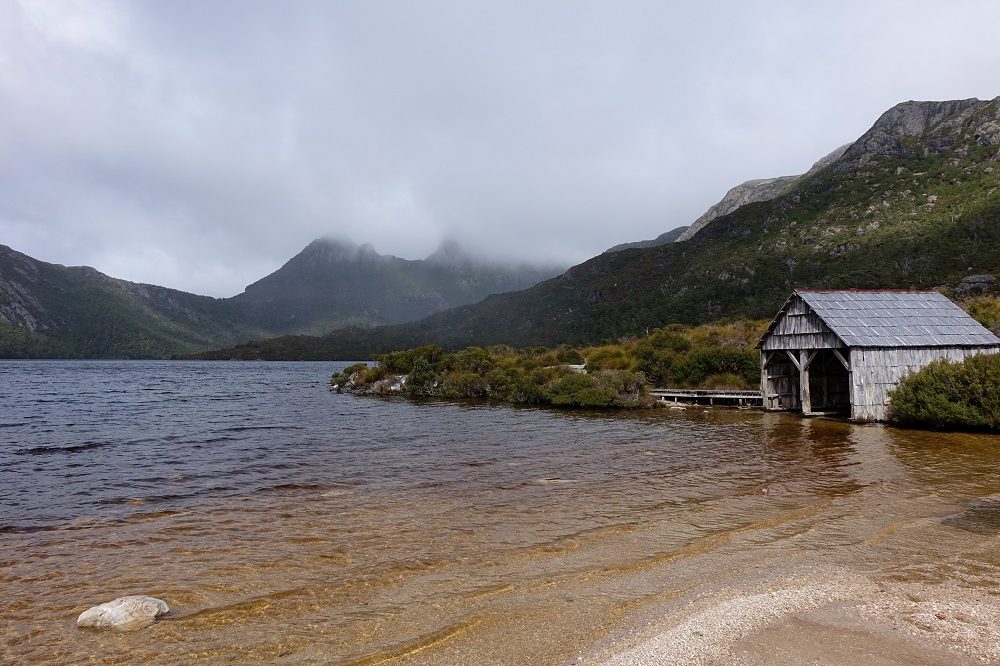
x=754, y=191
x=887, y=137
x=325, y=251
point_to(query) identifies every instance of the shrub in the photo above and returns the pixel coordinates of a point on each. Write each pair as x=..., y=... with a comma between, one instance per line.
x=401, y=362
x=704, y=363
x=569, y=356
x=421, y=378
x=579, y=390
x=725, y=380
x=608, y=357
x=363, y=375
x=630, y=388
x=658, y=365
x=985, y=310
x=618, y=371
x=664, y=339
x=610, y=388
x=474, y=359
x=464, y=384
x=950, y=395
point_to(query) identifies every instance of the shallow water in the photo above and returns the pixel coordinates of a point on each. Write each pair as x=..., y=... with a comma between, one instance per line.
x=285, y=523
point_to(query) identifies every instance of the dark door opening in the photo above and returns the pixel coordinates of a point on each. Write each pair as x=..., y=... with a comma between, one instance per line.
x=829, y=383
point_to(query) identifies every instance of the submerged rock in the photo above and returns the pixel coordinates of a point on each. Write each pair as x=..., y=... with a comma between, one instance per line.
x=124, y=613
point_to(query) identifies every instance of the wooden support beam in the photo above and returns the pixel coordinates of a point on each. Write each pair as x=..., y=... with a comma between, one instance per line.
x=809, y=356
x=795, y=360
x=765, y=358
x=840, y=357
x=804, y=396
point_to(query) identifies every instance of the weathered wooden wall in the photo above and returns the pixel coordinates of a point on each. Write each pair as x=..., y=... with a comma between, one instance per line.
x=779, y=382
x=876, y=371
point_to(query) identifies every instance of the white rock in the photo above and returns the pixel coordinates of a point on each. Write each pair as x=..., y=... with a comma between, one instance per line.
x=125, y=613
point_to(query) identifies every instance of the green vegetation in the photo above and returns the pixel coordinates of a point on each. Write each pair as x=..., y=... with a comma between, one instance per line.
x=962, y=395
x=526, y=377
x=985, y=310
x=617, y=375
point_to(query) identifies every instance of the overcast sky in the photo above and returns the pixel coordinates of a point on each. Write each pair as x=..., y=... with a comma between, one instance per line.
x=201, y=144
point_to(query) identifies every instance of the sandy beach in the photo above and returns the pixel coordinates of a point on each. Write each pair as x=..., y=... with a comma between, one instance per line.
x=821, y=617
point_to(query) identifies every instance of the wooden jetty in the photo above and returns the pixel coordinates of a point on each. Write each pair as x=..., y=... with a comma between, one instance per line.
x=709, y=397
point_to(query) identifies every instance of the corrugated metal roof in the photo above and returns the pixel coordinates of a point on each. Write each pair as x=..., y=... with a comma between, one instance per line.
x=896, y=319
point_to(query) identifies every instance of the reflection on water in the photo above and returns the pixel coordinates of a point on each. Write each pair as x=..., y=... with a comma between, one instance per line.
x=281, y=521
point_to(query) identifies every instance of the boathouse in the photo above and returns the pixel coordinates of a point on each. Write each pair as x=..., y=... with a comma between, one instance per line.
x=837, y=351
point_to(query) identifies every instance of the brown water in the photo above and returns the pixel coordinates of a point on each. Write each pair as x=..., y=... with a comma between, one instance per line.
x=286, y=524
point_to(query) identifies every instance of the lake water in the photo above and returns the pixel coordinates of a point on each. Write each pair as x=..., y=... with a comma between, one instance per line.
x=284, y=523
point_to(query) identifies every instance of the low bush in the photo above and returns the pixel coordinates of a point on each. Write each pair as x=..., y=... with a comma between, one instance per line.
x=943, y=394
x=401, y=362
x=579, y=390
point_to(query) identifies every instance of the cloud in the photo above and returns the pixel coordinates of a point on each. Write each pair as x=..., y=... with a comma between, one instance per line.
x=200, y=145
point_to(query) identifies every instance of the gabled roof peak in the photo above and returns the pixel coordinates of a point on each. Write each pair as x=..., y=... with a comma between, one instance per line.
x=892, y=318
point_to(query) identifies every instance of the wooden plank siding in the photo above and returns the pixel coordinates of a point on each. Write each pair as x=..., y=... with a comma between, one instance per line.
x=780, y=382
x=876, y=371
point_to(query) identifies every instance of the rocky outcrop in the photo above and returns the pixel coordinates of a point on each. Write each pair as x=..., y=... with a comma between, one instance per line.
x=940, y=126
x=391, y=385
x=974, y=285
x=124, y=613
x=755, y=191
x=888, y=136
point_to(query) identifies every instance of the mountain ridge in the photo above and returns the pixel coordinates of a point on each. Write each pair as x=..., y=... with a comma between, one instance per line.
x=914, y=202
x=333, y=283
x=757, y=190
x=52, y=310
x=920, y=216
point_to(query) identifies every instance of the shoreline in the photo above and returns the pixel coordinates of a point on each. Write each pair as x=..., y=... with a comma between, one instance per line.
x=830, y=616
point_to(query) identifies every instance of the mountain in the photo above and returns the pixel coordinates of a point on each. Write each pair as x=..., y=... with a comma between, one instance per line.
x=914, y=202
x=754, y=191
x=662, y=239
x=49, y=310
x=333, y=284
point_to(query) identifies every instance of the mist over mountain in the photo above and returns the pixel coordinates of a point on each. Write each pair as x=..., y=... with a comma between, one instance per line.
x=334, y=283
x=913, y=203
x=52, y=310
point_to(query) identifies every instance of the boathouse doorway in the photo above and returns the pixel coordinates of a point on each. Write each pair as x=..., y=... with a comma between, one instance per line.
x=813, y=381
x=829, y=384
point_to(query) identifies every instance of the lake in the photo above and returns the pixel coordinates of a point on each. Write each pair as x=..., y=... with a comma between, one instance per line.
x=284, y=523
